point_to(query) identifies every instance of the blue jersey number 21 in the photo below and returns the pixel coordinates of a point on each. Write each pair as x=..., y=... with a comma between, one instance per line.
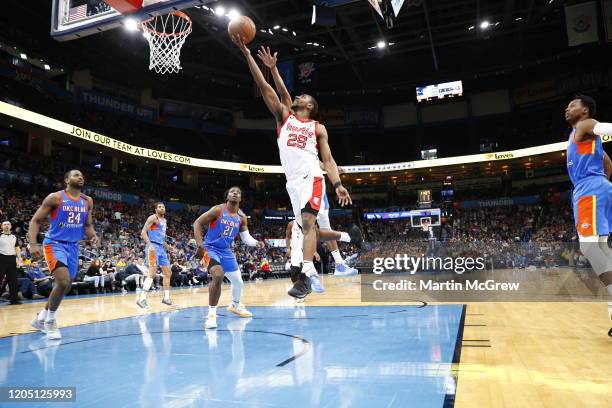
x=228, y=231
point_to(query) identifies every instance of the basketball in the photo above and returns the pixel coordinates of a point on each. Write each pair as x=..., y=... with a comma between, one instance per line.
x=242, y=26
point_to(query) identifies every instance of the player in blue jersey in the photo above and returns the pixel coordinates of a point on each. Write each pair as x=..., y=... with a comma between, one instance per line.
x=224, y=222
x=70, y=216
x=154, y=235
x=589, y=169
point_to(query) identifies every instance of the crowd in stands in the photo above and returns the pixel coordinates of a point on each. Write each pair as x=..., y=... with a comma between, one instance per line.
x=512, y=236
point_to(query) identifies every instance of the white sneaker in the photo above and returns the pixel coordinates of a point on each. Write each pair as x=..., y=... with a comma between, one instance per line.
x=38, y=324
x=344, y=270
x=52, y=331
x=211, y=322
x=240, y=310
x=317, y=286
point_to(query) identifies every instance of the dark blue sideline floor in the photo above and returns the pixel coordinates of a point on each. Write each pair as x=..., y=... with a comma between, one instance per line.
x=363, y=356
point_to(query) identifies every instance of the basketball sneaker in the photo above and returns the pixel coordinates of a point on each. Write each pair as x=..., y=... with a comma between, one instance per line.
x=240, y=310
x=357, y=237
x=317, y=286
x=301, y=288
x=52, y=331
x=38, y=324
x=343, y=269
x=167, y=301
x=143, y=303
x=211, y=322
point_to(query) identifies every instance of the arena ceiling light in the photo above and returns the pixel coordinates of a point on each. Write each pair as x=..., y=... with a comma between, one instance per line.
x=130, y=24
x=484, y=25
x=233, y=14
x=47, y=67
x=23, y=56
x=381, y=45
x=220, y=11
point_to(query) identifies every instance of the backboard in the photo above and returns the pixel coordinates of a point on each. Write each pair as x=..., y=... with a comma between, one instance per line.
x=431, y=217
x=72, y=19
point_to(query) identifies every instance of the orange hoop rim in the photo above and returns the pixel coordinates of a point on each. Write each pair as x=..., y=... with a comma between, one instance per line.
x=177, y=13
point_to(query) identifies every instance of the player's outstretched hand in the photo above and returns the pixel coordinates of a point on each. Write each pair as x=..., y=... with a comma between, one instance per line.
x=344, y=198
x=261, y=244
x=236, y=39
x=93, y=240
x=266, y=57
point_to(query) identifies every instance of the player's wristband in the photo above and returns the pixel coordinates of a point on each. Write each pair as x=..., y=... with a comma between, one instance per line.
x=337, y=184
x=246, y=237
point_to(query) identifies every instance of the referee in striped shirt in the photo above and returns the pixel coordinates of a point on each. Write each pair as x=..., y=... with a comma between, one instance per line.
x=10, y=257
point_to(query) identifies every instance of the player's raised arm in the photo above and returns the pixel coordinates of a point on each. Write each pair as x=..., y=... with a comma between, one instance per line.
x=270, y=98
x=330, y=166
x=205, y=220
x=269, y=61
x=90, y=232
x=50, y=203
x=147, y=226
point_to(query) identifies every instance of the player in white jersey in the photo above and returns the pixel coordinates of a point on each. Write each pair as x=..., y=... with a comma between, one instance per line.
x=301, y=141
x=354, y=236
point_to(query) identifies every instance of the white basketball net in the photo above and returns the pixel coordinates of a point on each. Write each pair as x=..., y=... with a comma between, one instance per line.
x=166, y=35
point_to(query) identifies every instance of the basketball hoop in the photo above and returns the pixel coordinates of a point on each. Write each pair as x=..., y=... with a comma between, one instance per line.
x=166, y=35
x=425, y=226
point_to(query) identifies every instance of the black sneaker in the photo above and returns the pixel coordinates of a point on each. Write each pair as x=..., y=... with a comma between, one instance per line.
x=356, y=237
x=610, y=332
x=15, y=302
x=301, y=288
x=295, y=272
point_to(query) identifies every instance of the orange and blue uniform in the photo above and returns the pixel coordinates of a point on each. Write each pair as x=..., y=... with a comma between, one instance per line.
x=156, y=253
x=592, y=195
x=61, y=243
x=219, y=238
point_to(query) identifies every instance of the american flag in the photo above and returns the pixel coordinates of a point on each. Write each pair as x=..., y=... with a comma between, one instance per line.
x=77, y=13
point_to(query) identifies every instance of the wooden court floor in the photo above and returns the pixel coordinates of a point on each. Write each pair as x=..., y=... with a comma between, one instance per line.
x=512, y=354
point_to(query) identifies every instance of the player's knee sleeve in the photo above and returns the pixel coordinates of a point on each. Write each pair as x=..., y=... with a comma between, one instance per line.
x=599, y=258
x=235, y=279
